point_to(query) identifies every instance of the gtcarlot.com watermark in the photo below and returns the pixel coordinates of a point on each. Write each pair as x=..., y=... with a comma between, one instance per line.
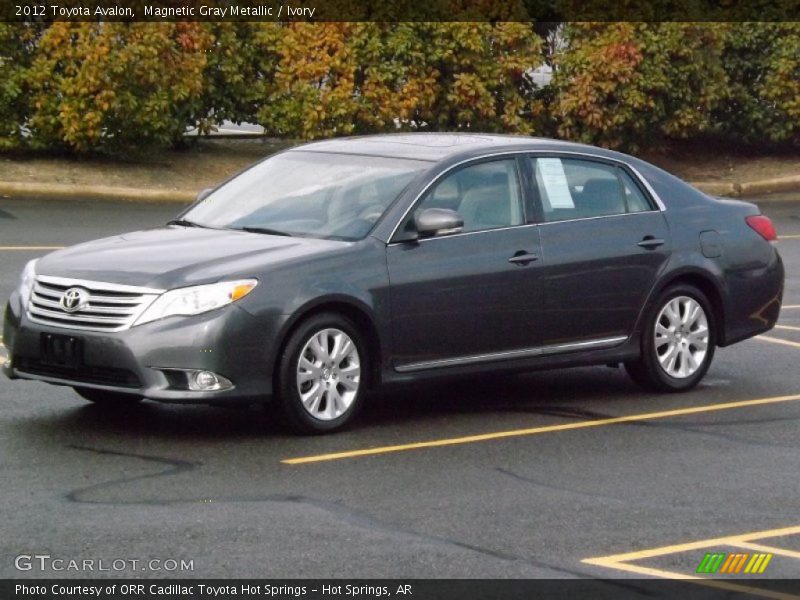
x=48, y=563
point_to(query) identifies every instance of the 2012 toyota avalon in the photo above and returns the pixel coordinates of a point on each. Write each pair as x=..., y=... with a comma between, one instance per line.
x=349, y=264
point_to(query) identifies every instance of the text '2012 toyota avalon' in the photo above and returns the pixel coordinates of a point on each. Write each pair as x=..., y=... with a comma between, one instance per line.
x=344, y=265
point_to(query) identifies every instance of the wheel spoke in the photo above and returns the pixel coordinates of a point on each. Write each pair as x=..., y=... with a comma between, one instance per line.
x=689, y=361
x=693, y=313
x=673, y=358
x=312, y=398
x=700, y=342
x=338, y=342
x=335, y=406
x=319, y=346
x=307, y=367
x=351, y=382
x=342, y=351
x=672, y=312
x=668, y=355
x=661, y=330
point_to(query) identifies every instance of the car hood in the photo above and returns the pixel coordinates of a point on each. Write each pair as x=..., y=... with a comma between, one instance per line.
x=175, y=256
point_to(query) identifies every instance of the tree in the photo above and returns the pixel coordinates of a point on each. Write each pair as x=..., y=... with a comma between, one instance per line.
x=342, y=78
x=634, y=84
x=18, y=43
x=762, y=62
x=114, y=86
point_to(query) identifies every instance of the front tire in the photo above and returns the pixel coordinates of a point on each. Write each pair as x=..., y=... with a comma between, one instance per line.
x=107, y=399
x=321, y=375
x=678, y=341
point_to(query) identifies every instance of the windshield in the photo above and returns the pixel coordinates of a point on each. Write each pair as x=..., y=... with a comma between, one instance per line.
x=334, y=196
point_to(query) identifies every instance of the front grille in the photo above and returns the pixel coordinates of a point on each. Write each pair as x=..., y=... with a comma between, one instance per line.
x=83, y=374
x=109, y=306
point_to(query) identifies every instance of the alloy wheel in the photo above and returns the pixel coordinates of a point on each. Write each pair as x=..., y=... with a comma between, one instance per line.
x=328, y=374
x=681, y=337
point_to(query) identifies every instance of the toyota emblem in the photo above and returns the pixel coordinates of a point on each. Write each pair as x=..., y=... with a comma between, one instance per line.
x=74, y=299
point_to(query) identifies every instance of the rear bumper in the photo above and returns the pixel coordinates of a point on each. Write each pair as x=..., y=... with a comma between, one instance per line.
x=754, y=301
x=229, y=342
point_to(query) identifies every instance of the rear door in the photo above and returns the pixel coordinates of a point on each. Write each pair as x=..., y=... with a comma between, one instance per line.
x=467, y=297
x=604, y=241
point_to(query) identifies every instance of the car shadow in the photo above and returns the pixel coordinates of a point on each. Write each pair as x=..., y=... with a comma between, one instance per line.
x=564, y=393
x=541, y=392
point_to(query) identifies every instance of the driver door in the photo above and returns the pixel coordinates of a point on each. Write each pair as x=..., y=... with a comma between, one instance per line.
x=458, y=298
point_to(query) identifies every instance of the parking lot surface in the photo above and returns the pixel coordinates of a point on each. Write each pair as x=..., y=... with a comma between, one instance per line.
x=550, y=474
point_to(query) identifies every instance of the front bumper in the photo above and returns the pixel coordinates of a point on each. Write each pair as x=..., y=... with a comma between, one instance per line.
x=229, y=342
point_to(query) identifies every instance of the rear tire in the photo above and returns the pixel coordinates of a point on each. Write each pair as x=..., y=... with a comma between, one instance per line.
x=678, y=341
x=321, y=375
x=107, y=399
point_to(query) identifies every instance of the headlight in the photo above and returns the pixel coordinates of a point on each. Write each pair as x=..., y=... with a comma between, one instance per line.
x=197, y=299
x=26, y=282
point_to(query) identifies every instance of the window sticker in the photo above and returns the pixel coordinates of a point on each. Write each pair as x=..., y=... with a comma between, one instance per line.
x=552, y=175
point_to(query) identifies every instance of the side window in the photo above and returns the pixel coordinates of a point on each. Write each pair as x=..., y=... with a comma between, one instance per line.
x=486, y=195
x=634, y=197
x=577, y=189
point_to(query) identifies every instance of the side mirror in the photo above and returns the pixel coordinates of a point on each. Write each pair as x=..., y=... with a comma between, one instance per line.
x=438, y=221
x=202, y=194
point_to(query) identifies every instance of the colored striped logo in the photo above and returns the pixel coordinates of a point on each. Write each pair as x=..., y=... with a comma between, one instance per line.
x=734, y=563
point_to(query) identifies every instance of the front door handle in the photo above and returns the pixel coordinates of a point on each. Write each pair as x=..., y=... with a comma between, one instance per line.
x=523, y=258
x=651, y=243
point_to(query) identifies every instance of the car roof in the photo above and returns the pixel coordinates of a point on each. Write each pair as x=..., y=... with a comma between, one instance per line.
x=439, y=146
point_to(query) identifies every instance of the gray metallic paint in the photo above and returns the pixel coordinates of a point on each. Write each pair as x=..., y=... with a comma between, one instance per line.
x=433, y=300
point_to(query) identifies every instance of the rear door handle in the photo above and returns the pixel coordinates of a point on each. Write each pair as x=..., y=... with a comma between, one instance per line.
x=651, y=243
x=523, y=258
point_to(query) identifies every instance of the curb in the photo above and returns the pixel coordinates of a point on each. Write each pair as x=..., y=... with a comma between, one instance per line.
x=65, y=191
x=750, y=188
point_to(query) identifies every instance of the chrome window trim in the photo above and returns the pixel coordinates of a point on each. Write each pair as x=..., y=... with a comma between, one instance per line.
x=647, y=186
x=509, y=355
x=641, y=212
x=634, y=170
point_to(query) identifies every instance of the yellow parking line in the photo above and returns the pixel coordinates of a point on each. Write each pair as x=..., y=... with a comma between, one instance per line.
x=485, y=437
x=788, y=237
x=789, y=327
x=697, y=545
x=715, y=583
x=621, y=566
x=790, y=306
x=768, y=549
x=775, y=340
x=619, y=561
x=30, y=247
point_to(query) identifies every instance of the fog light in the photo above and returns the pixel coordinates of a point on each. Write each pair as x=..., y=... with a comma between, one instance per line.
x=206, y=381
x=195, y=380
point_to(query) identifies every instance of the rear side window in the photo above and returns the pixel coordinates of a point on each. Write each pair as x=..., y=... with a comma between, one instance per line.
x=634, y=197
x=578, y=189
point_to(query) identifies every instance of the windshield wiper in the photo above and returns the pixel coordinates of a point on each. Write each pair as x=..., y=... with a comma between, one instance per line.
x=183, y=223
x=265, y=230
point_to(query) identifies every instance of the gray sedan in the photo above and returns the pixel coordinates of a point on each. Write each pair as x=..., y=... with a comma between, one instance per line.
x=348, y=264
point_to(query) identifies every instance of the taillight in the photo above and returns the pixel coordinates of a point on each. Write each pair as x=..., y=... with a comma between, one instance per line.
x=763, y=226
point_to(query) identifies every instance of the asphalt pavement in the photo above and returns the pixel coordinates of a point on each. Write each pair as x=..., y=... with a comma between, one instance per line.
x=550, y=474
